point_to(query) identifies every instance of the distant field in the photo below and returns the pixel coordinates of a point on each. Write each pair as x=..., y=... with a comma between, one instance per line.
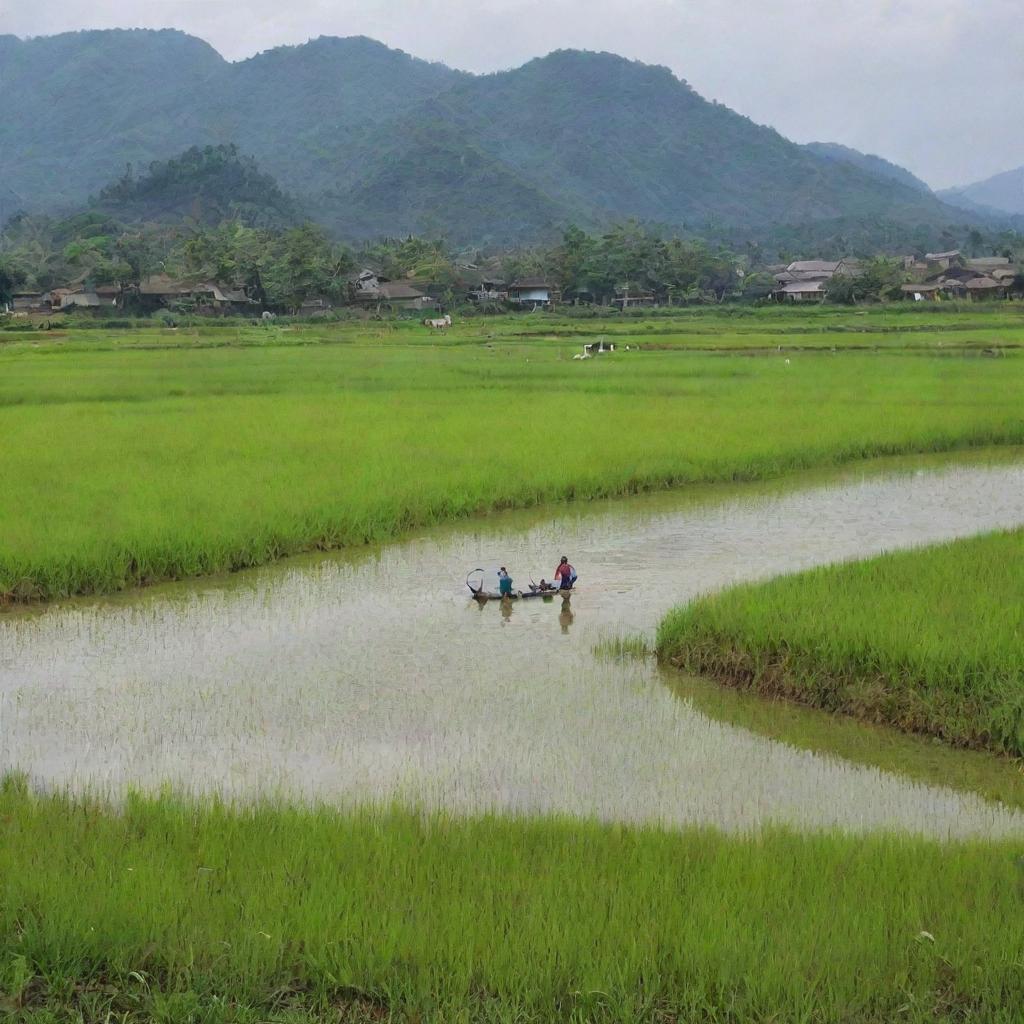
x=138, y=456
x=930, y=640
x=900, y=326
x=176, y=911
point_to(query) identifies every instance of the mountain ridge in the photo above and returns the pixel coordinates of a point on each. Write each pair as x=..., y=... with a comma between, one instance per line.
x=870, y=162
x=1001, y=193
x=345, y=125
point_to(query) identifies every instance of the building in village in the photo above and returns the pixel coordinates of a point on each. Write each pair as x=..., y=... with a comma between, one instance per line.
x=533, y=293
x=951, y=275
x=807, y=280
x=405, y=295
x=942, y=260
x=24, y=302
x=488, y=289
x=629, y=298
x=480, y=285
x=370, y=289
x=82, y=296
x=315, y=305
x=161, y=291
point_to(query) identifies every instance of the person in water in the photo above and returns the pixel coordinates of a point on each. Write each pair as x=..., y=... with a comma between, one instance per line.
x=504, y=582
x=565, y=574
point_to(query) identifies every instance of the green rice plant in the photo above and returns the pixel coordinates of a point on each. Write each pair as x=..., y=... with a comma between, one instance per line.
x=170, y=909
x=127, y=465
x=929, y=640
x=623, y=647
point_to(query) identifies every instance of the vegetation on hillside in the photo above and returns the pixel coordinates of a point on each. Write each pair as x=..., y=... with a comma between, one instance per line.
x=927, y=640
x=207, y=186
x=1002, y=193
x=374, y=142
x=876, y=165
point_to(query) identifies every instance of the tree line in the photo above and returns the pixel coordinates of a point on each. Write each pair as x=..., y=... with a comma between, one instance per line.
x=281, y=268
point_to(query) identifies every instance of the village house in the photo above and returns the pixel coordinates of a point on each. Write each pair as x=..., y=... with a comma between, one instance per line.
x=371, y=289
x=56, y=297
x=807, y=280
x=403, y=295
x=480, y=285
x=950, y=275
x=25, y=302
x=626, y=298
x=488, y=290
x=943, y=260
x=987, y=264
x=533, y=292
x=161, y=290
x=366, y=286
x=97, y=297
x=220, y=298
x=921, y=290
x=315, y=305
x=802, y=291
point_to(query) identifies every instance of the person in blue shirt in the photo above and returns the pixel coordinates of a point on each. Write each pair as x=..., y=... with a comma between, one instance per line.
x=504, y=582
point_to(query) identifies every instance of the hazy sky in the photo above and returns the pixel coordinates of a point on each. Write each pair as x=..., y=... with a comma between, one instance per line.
x=936, y=85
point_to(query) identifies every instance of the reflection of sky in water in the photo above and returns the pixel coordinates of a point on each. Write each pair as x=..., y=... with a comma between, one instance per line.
x=367, y=676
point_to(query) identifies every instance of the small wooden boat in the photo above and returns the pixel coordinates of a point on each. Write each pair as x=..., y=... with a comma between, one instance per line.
x=479, y=594
x=519, y=595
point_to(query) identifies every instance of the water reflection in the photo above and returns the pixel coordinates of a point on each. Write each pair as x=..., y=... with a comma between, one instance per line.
x=366, y=676
x=566, y=617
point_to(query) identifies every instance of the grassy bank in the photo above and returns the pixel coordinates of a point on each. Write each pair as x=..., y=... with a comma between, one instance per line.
x=127, y=465
x=174, y=911
x=930, y=640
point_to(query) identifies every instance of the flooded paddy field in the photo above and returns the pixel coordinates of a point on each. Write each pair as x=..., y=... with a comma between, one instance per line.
x=370, y=676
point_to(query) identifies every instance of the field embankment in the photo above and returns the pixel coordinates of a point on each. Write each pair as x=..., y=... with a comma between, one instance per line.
x=929, y=640
x=124, y=466
x=169, y=910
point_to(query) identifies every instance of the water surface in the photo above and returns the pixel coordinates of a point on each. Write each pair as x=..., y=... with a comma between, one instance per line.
x=369, y=675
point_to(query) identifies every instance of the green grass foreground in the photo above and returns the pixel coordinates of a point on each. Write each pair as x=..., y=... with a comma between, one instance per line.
x=125, y=464
x=929, y=640
x=176, y=911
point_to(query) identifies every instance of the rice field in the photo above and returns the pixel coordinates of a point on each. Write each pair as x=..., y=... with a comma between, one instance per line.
x=176, y=911
x=927, y=640
x=427, y=828
x=127, y=462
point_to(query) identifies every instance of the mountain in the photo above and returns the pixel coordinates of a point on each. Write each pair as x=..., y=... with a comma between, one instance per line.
x=876, y=165
x=207, y=186
x=603, y=138
x=373, y=141
x=79, y=107
x=1002, y=193
x=414, y=186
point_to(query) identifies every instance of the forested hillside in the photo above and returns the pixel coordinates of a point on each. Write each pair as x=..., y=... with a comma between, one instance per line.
x=205, y=186
x=373, y=142
x=1002, y=193
x=876, y=165
x=80, y=107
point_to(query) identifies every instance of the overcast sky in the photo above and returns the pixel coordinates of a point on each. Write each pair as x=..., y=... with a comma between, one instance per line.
x=935, y=85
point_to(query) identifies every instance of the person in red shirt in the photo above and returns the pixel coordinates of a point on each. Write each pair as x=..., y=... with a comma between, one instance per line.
x=565, y=574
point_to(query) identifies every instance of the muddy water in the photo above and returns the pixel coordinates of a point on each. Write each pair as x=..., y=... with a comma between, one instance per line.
x=370, y=675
